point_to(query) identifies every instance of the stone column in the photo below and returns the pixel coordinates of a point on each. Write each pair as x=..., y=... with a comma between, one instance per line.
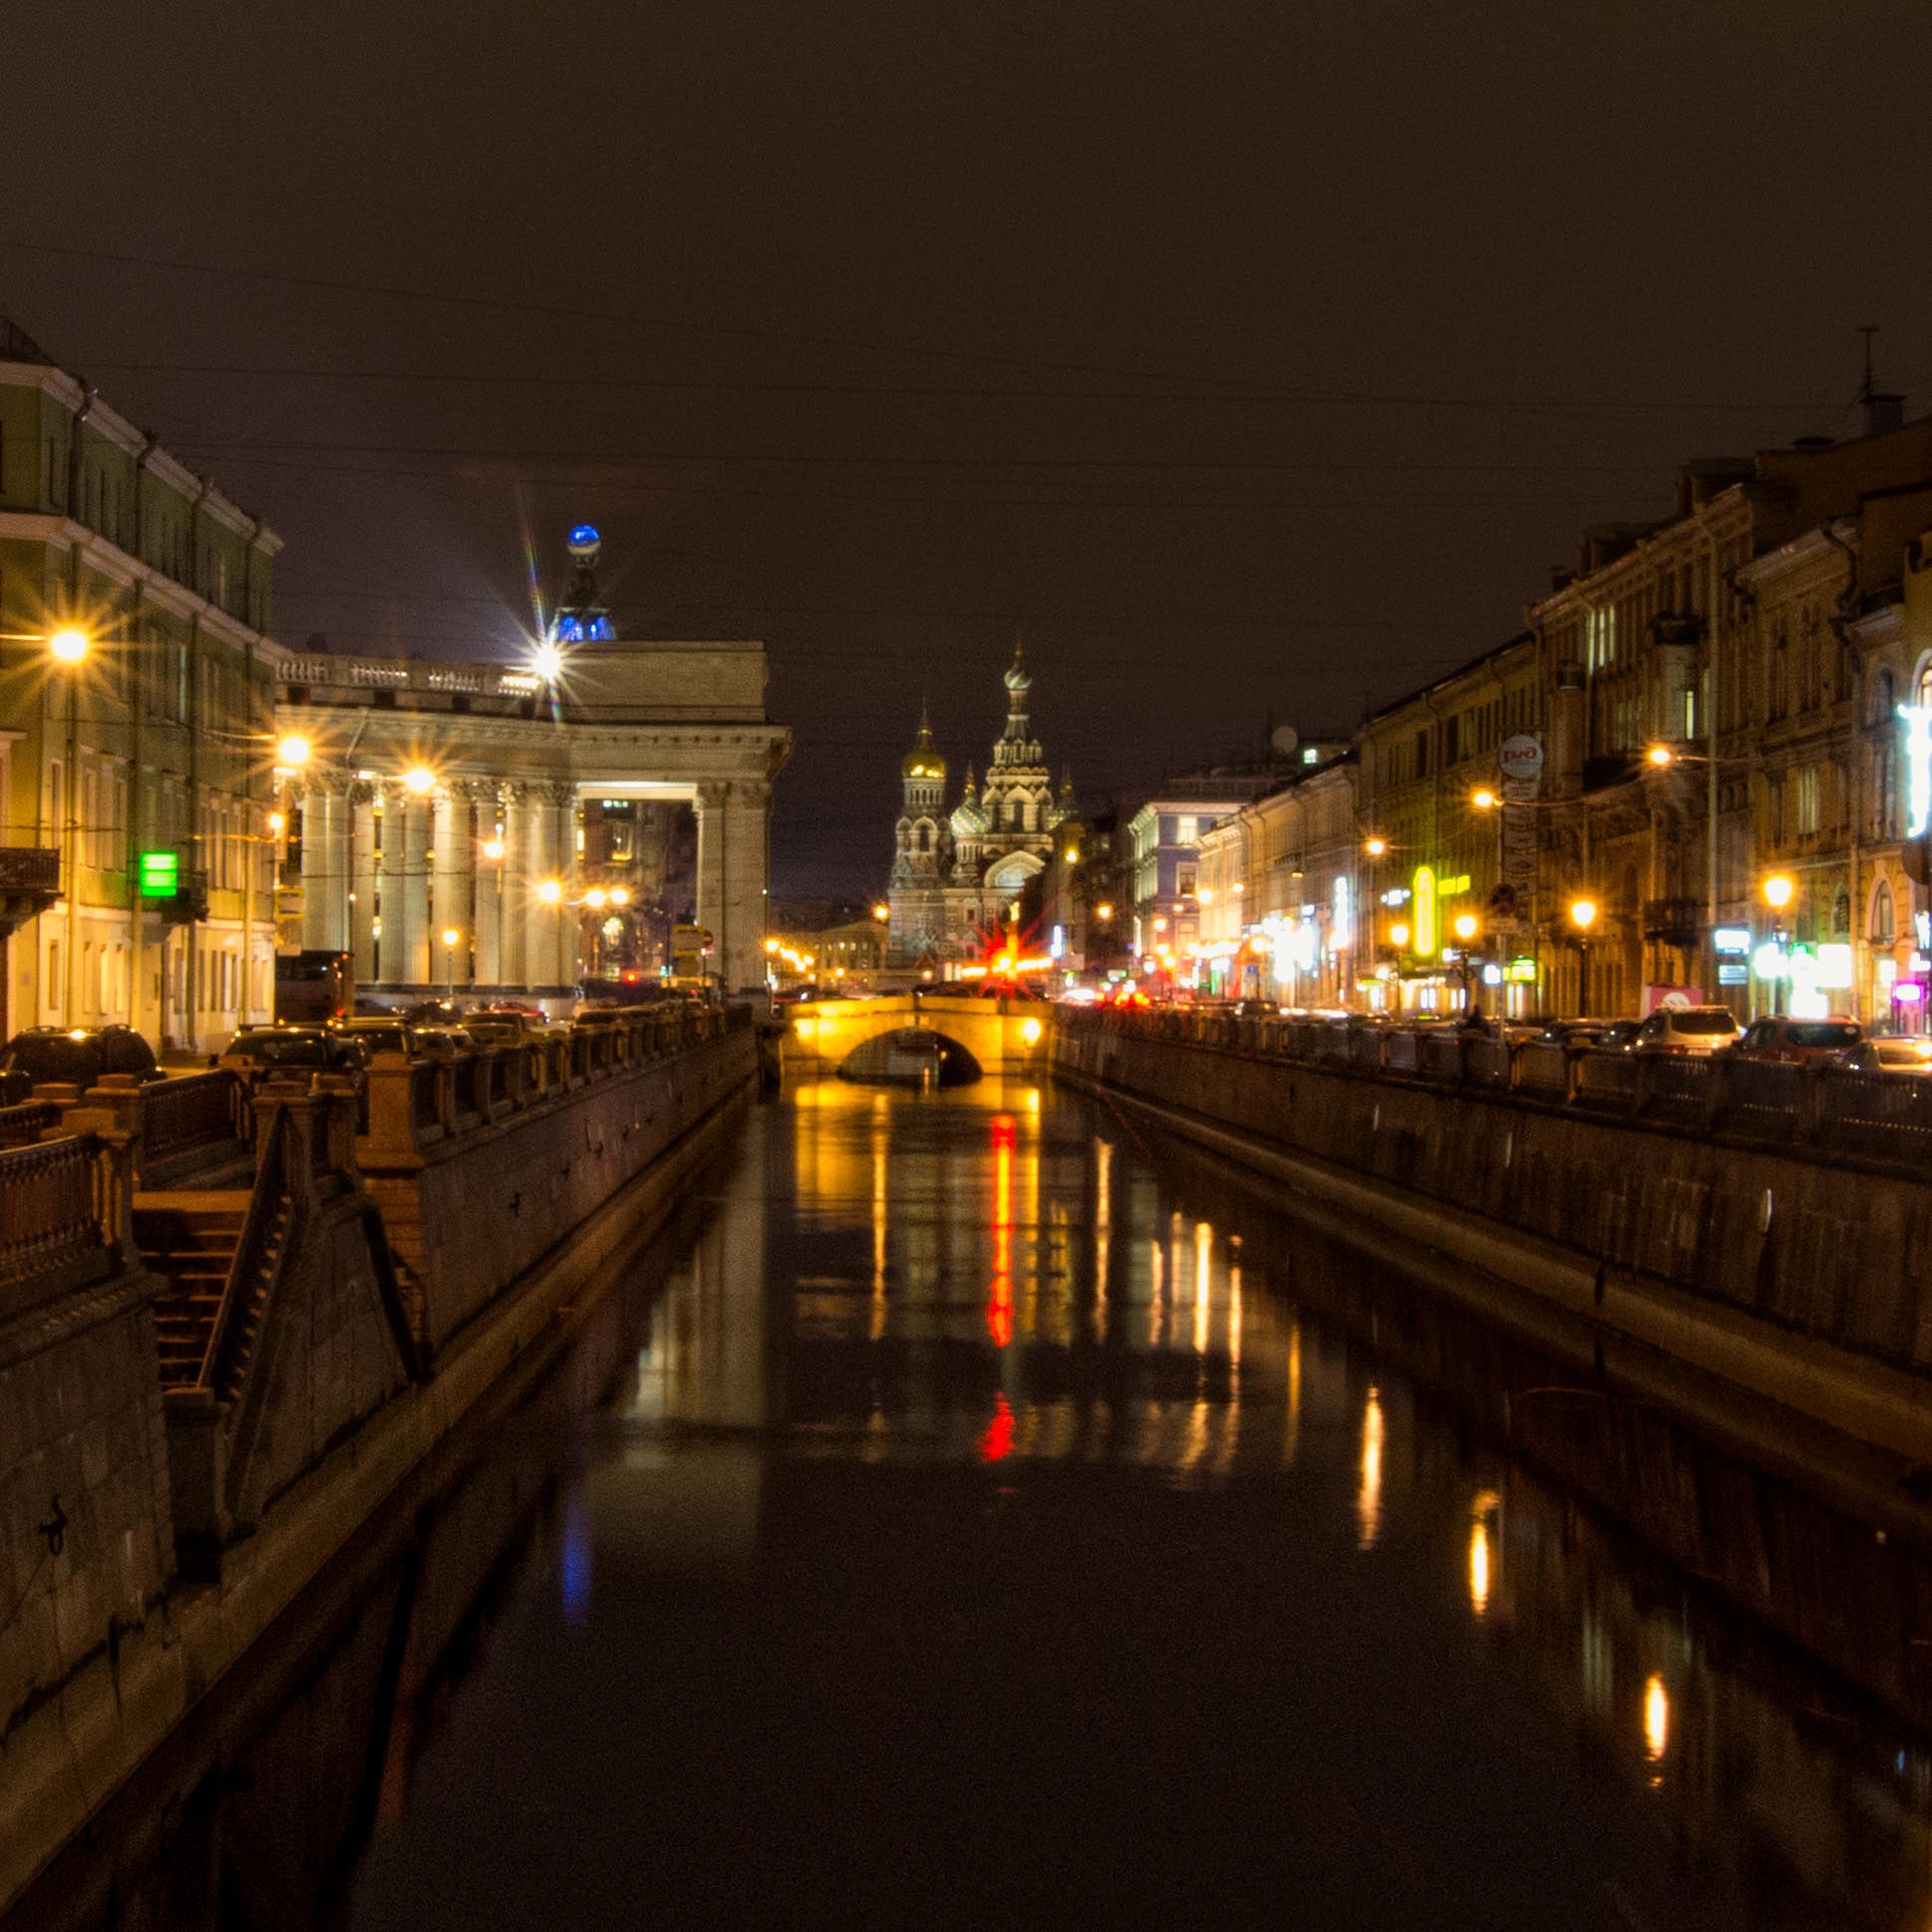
x=362, y=880
x=487, y=886
x=550, y=937
x=417, y=964
x=326, y=870
x=733, y=839
x=517, y=886
x=451, y=906
x=709, y=802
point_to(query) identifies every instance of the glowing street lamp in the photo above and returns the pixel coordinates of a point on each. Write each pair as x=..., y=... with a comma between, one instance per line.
x=1375, y=845
x=1398, y=935
x=1583, y=915
x=294, y=752
x=70, y=644
x=1778, y=891
x=1661, y=755
x=547, y=662
x=420, y=780
x=594, y=898
x=492, y=848
x=450, y=937
x=1465, y=927
x=550, y=892
x=620, y=895
x=1483, y=799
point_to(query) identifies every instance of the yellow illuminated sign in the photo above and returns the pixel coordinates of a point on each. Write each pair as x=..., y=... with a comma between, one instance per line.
x=1424, y=908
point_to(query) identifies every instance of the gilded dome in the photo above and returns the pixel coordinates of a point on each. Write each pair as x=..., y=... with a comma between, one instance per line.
x=925, y=759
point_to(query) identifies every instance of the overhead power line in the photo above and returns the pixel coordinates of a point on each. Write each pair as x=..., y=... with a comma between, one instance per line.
x=952, y=392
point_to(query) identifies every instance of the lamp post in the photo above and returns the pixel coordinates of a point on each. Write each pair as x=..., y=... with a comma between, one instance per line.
x=69, y=647
x=1778, y=891
x=450, y=937
x=1465, y=930
x=1583, y=915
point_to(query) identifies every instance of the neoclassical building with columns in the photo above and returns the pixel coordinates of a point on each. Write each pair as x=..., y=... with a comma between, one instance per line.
x=433, y=809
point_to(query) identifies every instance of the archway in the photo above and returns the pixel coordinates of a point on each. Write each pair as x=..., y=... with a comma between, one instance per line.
x=911, y=1057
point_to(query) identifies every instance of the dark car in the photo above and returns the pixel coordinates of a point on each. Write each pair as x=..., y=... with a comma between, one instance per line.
x=274, y=1050
x=1894, y=1053
x=80, y=1054
x=1800, y=1041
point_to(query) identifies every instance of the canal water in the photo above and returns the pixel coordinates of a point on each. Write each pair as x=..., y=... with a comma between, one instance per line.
x=975, y=1507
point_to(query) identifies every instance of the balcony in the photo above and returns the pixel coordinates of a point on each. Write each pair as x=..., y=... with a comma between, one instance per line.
x=1673, y=923
x=29, y=881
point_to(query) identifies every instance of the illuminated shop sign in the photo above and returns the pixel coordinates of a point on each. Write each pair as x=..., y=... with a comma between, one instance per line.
x=1731, y=942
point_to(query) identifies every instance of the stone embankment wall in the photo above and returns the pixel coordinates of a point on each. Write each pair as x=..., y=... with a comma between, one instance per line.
x=386, y=1287
x=1710, y=1224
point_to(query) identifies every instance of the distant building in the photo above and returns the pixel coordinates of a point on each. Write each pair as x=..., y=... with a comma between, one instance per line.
x=957, y=875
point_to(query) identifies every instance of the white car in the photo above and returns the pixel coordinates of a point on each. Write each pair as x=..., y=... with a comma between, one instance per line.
x=1688, y=1030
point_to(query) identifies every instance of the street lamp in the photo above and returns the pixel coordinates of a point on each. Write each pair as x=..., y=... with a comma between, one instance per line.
x=294, y=752
x=69, y=647
x=1778, y=891
x=1375, y=845
x=550, y=892
x=449, y=938
x=1583, y=915
x=1463, y=927
x=420, y=780
x=1483, y=799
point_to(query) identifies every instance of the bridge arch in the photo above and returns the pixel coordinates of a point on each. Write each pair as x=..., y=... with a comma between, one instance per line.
x=1004, y=1037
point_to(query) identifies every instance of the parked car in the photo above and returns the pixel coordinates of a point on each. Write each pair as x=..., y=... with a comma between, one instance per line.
x=1895, y=1054
x=1620, y=1035
x=1687, y=1030
x=376, y=1035
x=1800, y=1041
x=500, y=1029
x=274, y=1050
x=80, y=1054
x=1577, y=1033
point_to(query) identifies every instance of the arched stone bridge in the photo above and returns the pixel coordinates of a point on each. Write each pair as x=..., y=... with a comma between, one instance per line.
x=1004, y=1036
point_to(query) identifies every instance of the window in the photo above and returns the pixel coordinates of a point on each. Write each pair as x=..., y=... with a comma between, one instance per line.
x=1187, y=831
x=1881, y=916
x=1805, y=799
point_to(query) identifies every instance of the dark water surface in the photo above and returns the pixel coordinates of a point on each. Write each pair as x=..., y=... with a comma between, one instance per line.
x=978, y=1513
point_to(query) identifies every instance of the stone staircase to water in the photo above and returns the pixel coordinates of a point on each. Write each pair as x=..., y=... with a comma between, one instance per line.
x=190, y=1240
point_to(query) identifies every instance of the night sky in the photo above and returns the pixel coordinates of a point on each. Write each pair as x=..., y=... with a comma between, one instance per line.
x=1253, y=362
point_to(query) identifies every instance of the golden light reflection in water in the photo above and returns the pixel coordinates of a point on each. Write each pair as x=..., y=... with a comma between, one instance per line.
x=1291, y=1435
x=1367, y=1493
x=1102, y=1230
x=881, y=1144
x=1479, y=1567
x=1203, y=1281
x=1657, y=1718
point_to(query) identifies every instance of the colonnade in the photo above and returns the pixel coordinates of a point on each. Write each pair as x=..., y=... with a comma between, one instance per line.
x=387, y=869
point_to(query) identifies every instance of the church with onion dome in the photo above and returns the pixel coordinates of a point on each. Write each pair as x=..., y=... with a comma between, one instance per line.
x=956, y=874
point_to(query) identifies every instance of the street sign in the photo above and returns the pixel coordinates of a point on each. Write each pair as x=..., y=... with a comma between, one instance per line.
x=160, y=874
x=1521, y=755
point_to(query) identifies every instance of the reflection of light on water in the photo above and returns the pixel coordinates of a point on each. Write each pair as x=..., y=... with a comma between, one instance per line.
x=1157, y=1315
x=573, y=1570
x=1291, y=1443
x=1657, y=1718
x=1102, y=1230
x=996, y=1440
x=1479, y=1567
x=999, y=1305
x=1203, y=1270
x=1368, y=1494
x=882, y=1126
x=1234, y=1319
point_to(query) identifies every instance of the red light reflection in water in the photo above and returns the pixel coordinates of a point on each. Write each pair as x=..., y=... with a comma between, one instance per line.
x=996, y=1442
x=999, y=1303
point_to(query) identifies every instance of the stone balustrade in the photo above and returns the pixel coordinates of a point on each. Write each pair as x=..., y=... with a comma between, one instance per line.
x=1826, y=1109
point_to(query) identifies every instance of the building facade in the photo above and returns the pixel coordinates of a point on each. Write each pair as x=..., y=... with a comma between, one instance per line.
x=136, y=724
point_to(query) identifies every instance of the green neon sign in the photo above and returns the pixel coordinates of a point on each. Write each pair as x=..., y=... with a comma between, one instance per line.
x=160, y=874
